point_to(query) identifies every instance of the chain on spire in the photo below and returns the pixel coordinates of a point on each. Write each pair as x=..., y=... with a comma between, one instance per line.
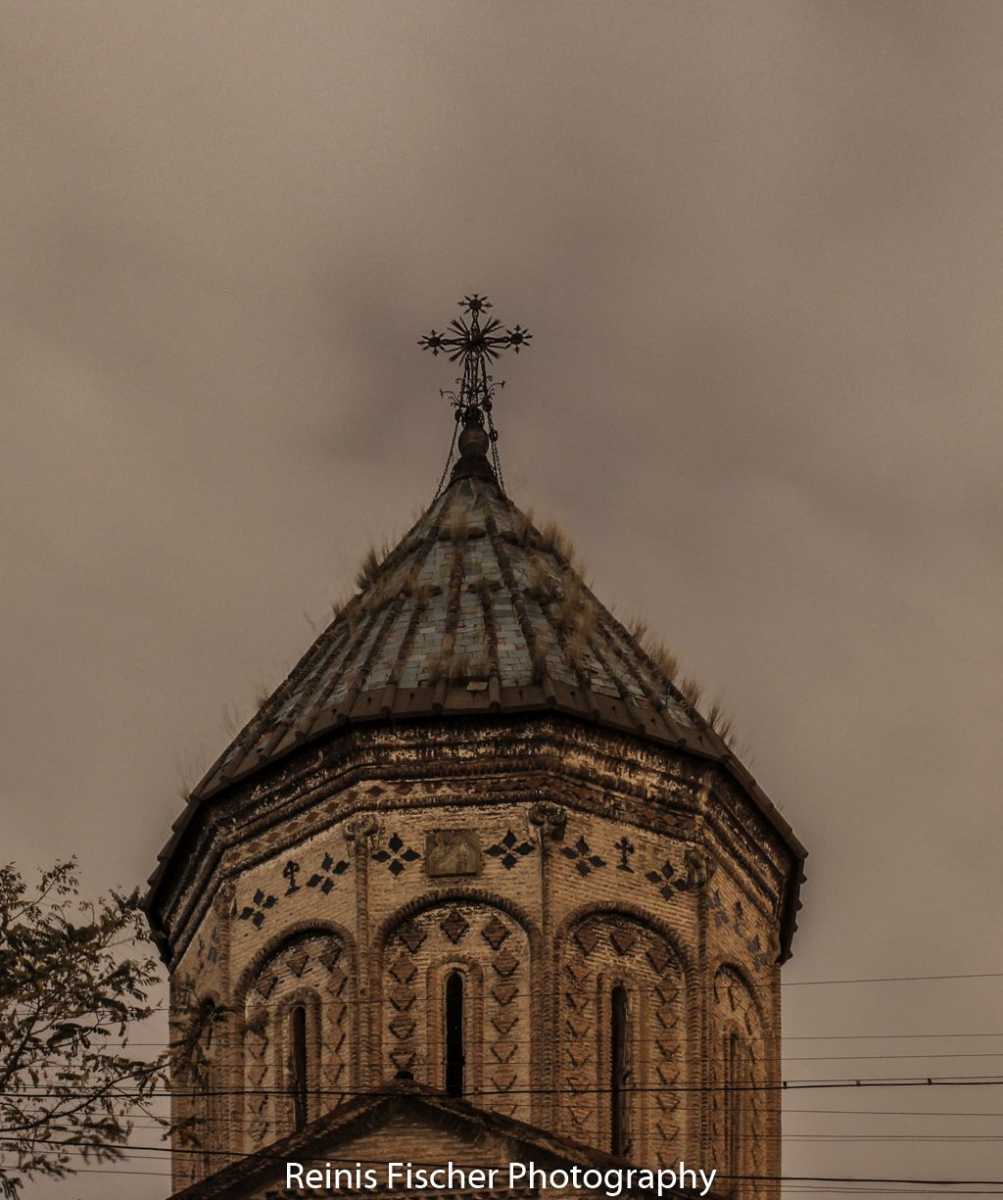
x=474, y=345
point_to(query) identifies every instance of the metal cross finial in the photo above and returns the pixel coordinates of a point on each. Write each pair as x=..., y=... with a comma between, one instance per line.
x=474, y=344
x=469, y=340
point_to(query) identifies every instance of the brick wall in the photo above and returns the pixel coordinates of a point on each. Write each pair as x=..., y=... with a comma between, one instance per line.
x=547, y=865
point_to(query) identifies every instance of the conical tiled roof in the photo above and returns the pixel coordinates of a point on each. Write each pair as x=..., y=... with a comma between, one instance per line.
x=474, y=611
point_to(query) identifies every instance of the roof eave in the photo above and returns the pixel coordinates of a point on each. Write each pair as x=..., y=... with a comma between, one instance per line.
x=535, y=699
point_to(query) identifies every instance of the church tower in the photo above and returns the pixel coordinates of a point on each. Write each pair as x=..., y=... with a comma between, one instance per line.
x=477, y=877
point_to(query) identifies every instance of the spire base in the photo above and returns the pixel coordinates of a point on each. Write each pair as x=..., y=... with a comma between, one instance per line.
x=473, y=445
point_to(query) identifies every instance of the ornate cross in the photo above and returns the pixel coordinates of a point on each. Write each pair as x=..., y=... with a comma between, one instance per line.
x=475, y=345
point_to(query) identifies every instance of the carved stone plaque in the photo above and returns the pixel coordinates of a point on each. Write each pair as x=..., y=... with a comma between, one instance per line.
x=453, y=852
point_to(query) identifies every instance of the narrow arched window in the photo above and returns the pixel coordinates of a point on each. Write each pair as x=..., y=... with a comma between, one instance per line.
x=299, y=1066
x=618, y=1070
x=455, y=1058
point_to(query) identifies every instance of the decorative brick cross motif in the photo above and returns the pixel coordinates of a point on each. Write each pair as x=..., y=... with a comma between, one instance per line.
x=397, y=855
x=256, y=910
x=290, y=871
x=626, y=849
x=581, y=855
x=663, y=879
x=329, y=869
x=510, y=851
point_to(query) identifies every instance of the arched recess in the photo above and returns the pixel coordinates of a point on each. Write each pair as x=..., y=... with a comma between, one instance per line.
x=310, y=967
x=493, y=945
x=617, y=963
x=739, y=1101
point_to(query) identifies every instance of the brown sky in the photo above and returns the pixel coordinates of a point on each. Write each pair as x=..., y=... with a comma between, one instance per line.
x=759, y=245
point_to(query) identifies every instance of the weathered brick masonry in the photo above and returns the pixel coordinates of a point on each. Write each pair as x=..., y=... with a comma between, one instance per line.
x=477, y=773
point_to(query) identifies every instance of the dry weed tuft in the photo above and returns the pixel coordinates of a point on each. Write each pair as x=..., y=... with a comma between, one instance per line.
x=722, y=723
x=638, y=630
x=370, y=566
x=540, y=583
x=663, y=658
x=691, y=691
x=576, y=648
x=556, y=541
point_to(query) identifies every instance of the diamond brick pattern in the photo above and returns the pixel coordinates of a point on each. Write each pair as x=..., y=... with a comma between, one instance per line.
x=505, y=963
x=412, y=935
x=665, y=880
x=510, y=850
x=587, y=936
x=402, y=998
x=455, y=926
x=397, y=855
x=402, y=1027
x=330, y=956
x=327, y=874
x=403, y=969
x=505, y=993
x=494, y=933
x=582, y=856
x=623, y=938
x=258, y=908
x=504, y=1022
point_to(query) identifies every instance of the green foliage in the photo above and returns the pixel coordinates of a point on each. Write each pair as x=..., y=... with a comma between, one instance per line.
x=74, y=979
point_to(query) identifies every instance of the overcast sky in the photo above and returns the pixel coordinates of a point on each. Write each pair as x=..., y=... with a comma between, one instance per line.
x=759, y=247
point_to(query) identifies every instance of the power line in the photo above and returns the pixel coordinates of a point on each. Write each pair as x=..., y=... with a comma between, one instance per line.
x=787, y=1037
x=783, y=983
x=885, y=1112
x=643, y=1042
x=104, y=1171
x=889, y=979
x=860, y=1057
x=787, y=1112
x=781, y=1086
x=857, y=1037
